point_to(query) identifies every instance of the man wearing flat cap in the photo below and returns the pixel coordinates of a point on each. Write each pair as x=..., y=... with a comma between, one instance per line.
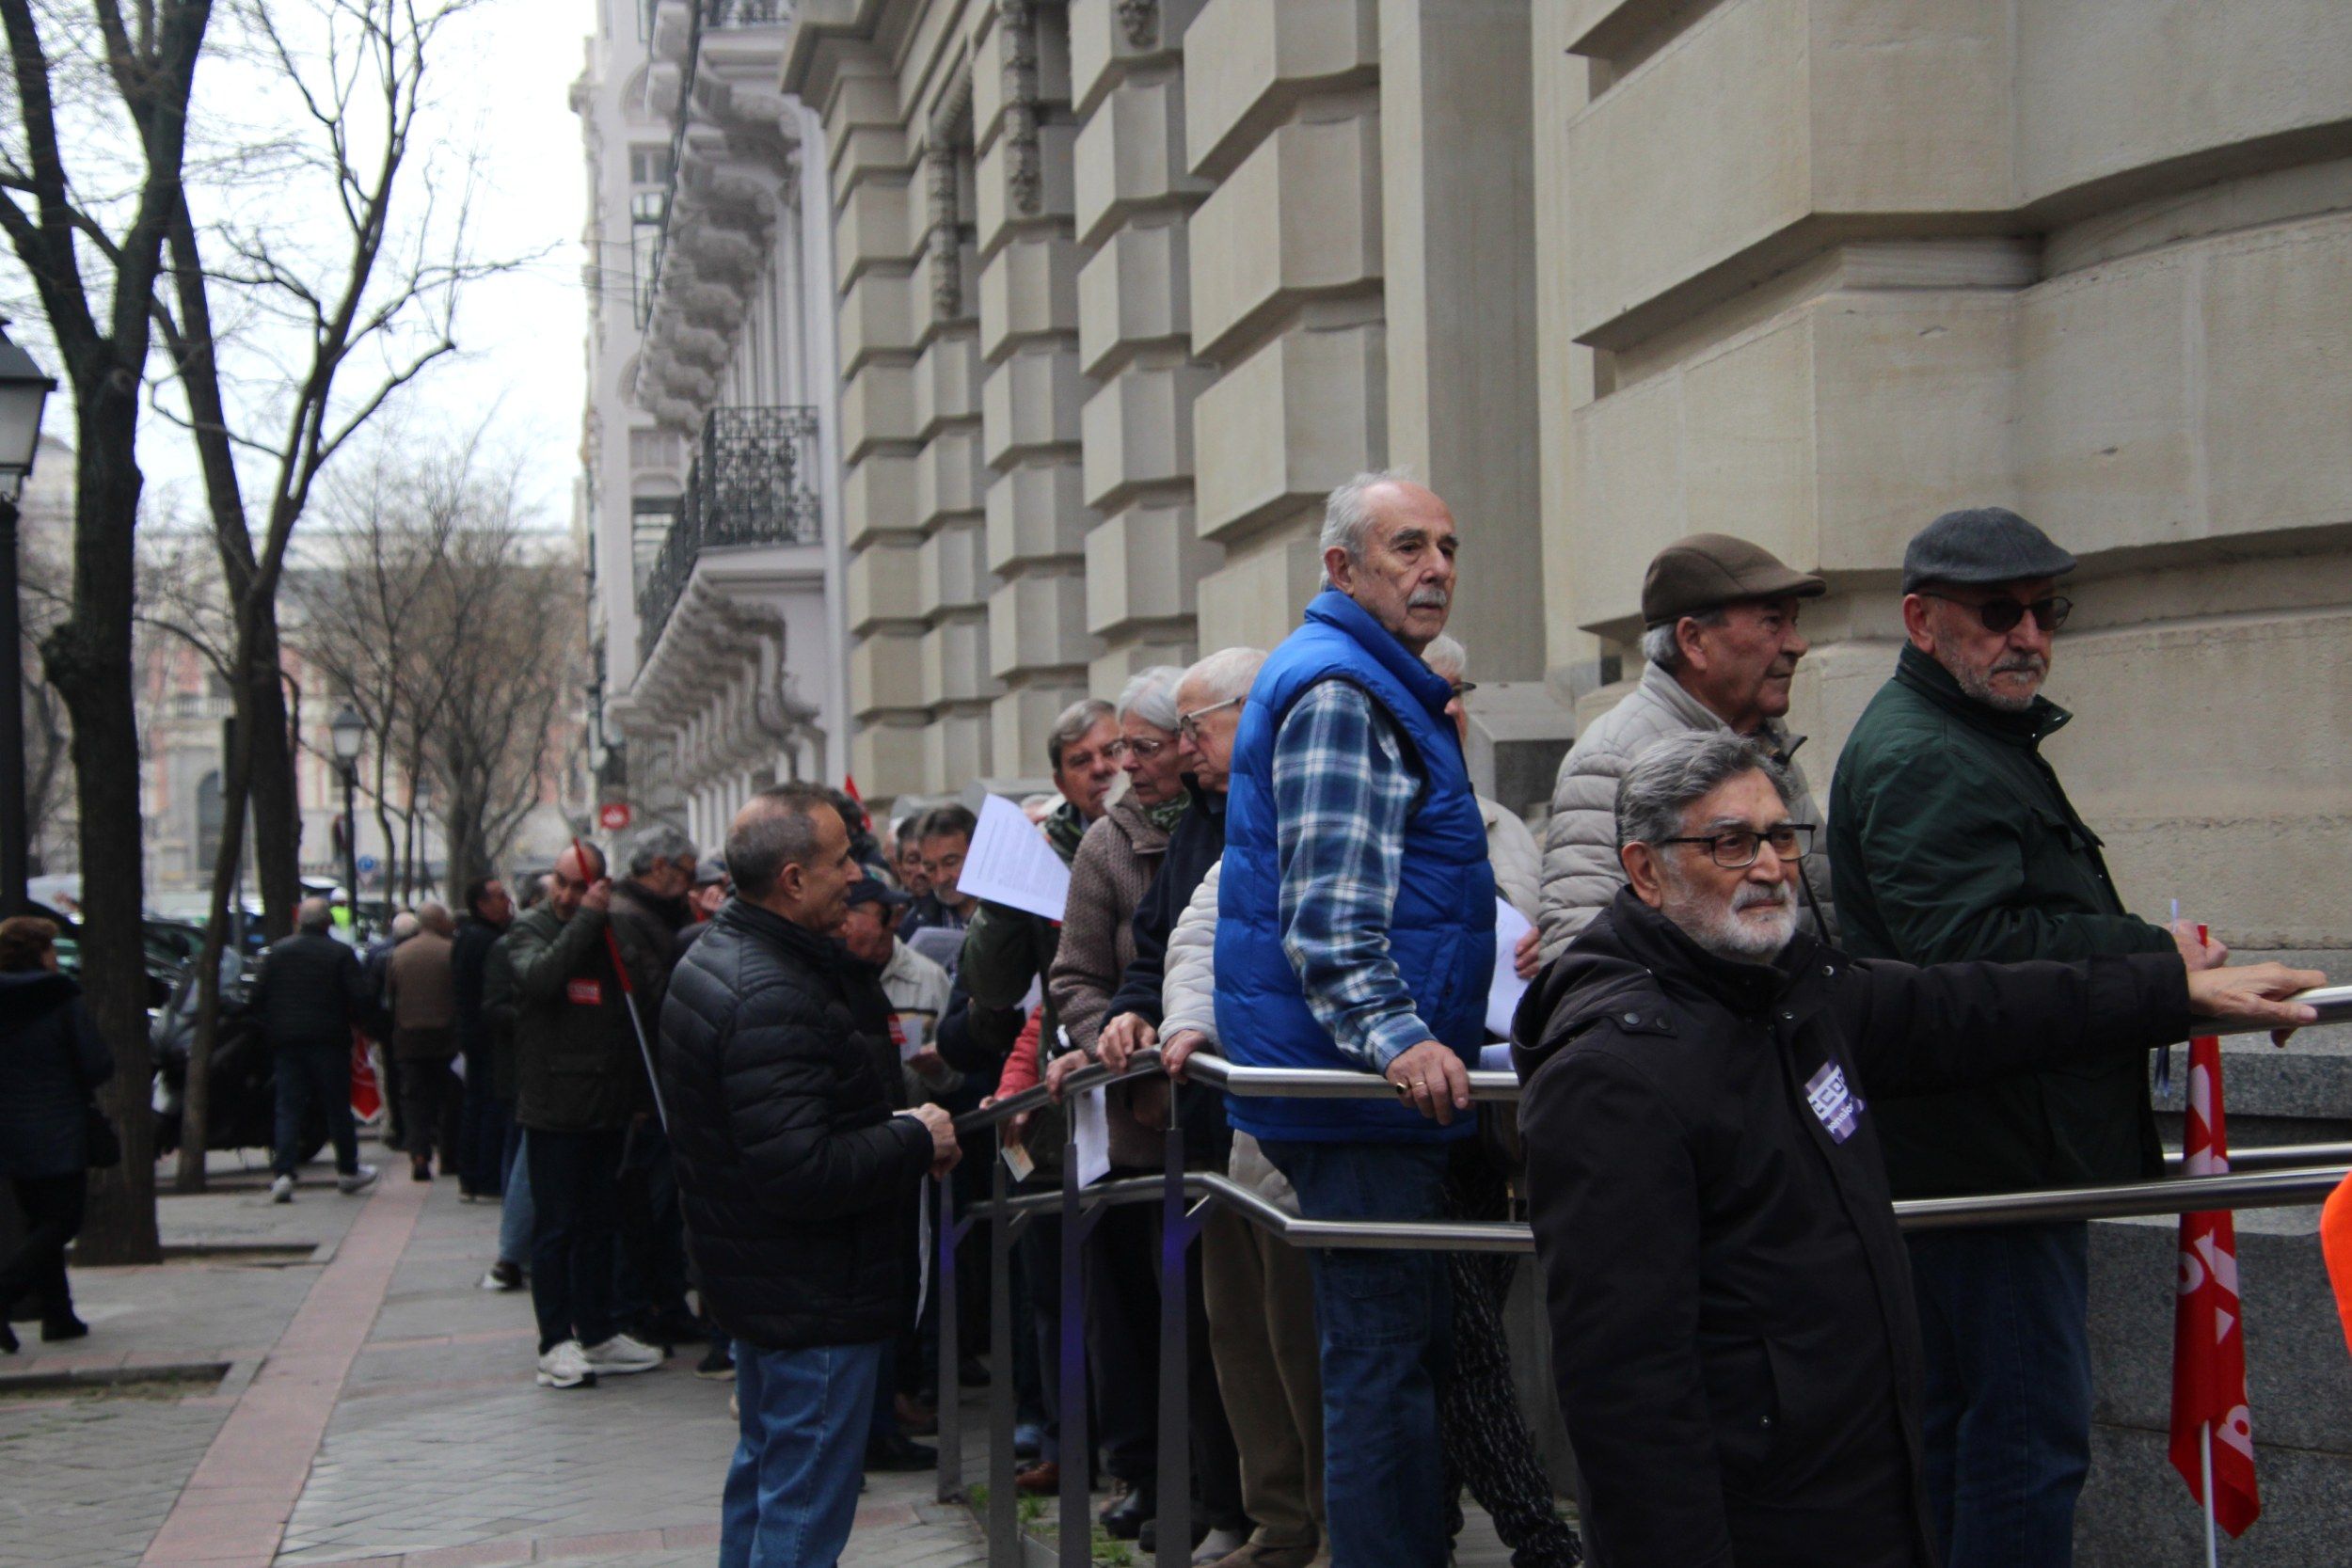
x=1721, y=646
x=1954, y=841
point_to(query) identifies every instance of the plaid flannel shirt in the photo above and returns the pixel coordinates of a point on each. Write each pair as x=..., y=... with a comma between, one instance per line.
x=1342, y=789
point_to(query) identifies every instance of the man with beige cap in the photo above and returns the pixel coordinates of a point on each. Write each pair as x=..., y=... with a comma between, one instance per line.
x=1720, y=647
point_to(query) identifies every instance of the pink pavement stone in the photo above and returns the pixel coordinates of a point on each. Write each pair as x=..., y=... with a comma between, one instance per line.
x=679, y=1536
x=611, y=1543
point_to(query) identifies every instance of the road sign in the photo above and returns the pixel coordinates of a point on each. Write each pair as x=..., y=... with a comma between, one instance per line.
x=367, y=863
x=613, y=816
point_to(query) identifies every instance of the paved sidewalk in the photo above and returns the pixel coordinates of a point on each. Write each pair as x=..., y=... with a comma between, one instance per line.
x=379, y=1409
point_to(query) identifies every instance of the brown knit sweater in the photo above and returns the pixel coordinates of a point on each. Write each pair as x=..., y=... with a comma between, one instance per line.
x=1115, y=863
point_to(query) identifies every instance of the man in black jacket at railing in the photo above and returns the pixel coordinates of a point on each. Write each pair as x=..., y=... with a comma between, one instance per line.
x=1733, y=1329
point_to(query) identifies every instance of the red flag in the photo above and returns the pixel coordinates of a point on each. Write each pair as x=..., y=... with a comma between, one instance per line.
x=2335, y=1241
x=848, y=787
x=367, y=1096
x=2208, y=1329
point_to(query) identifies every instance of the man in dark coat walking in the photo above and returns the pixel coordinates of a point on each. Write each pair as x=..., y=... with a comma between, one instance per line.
x=792, y=1168
x=489, y=1118
x=1735, y=1339
x=310, y=992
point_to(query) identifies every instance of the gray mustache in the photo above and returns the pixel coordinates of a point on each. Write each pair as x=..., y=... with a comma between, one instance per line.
x=1429, y=598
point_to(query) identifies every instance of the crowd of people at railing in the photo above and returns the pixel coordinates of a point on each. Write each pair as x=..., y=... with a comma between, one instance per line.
x=1744, y=1031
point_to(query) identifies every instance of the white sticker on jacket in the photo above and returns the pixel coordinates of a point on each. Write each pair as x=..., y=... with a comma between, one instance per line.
x=1838, y=1106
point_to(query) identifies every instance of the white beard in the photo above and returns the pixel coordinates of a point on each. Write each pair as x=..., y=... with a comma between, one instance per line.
x=1721, y=930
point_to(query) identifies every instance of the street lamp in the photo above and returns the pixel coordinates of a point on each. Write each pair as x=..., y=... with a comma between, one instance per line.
x=23, y=391
x=348, y=731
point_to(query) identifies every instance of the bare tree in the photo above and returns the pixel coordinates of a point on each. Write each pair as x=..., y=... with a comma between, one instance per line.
x=110, y=89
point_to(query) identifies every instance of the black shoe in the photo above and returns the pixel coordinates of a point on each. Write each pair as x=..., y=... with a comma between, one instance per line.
x=1148, y=1538
x=898, y=1454
x=674, y=1328
x=1123, y=1520
x=67, y=1327
x=716, y=1366
x=8, y=1345
x=971, y=1373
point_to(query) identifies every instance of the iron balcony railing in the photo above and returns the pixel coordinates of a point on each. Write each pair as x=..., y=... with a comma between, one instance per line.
x=753, y=481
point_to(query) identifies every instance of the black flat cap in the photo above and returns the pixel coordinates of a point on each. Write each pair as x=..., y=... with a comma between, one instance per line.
x=1710, y=570
x=873, y=890
x=1980, y=545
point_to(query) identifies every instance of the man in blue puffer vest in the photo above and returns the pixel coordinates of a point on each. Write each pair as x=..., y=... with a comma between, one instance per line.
x=1355, y=930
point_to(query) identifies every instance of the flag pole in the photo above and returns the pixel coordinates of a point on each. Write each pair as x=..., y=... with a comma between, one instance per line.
x=629, y=996
x=2204, y=1446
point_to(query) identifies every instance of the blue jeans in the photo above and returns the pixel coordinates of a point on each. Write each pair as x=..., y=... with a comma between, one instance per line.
x=303, y=1073
x=575, y=1178
x=1386, y=1323
x=515, y=1215
x=791, y=1491
x=2005, y=1318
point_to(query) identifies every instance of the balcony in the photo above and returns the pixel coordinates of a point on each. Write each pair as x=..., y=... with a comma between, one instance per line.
x=753, y=481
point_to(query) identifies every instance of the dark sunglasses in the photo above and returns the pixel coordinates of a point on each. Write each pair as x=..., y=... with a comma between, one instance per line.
x=2001, y=614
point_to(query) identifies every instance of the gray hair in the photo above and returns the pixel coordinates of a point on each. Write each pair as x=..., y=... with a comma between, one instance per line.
x=658, y=842
x=434, y=916
x=778, y=828
x=1151, y=696
x=314, y=915
x=1347, y=512
x=1227, y=672
x=1677, y=770
x=405, y=925
x=1446, y=657
x=1071, y=726
x=1663, y=648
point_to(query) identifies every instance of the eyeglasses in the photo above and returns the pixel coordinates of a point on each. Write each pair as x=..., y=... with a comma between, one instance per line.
x=1463, y=688
x=1189, y=724
x=1735, y=848
x=2000, y=613
x=1142, y=751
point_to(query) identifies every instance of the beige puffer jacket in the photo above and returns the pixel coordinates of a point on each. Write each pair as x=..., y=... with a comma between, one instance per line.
x=1582, y=873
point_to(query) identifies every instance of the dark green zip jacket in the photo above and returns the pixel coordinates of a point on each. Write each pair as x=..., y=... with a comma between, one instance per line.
x=1950, y=839
x=578, y=1065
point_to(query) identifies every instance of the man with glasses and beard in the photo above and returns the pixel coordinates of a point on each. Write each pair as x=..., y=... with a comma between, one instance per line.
x=1707, y=1091
x=1953, y=840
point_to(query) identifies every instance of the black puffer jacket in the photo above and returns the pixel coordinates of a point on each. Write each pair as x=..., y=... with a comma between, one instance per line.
x=51, y=1058
x=790, y=1167
x=310, y=990
x=1733, y=1331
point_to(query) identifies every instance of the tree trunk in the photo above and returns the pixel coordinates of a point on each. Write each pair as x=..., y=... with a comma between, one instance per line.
x=276, y=807
x=87, y=659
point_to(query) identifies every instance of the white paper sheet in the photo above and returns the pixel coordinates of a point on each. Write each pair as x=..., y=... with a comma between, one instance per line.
x=1010, y=862
x=941, y=946
x=1091, y=1132
x=1504, y=990
x=1496, y=1058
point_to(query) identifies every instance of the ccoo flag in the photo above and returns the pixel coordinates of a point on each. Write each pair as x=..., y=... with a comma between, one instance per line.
x=2208, y=1330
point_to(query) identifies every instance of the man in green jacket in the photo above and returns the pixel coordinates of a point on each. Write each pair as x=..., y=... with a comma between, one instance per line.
x=1951, y=840
x=579, y=1079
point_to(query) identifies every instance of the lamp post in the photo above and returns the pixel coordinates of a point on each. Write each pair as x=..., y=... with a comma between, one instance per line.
x=23, y=391
x=348, y=731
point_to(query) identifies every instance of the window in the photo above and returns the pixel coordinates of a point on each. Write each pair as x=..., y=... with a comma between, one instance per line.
x=653, y=448
x=649, y=164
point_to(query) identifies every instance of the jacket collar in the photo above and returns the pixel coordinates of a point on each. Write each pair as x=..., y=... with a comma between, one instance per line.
x=1335, y=609
x=1133, y=820
x=1682, y=965
x=766, y=926
x=2027, y=729
x=1676, y=699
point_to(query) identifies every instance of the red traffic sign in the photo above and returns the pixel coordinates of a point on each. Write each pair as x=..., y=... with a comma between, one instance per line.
x=613, y=816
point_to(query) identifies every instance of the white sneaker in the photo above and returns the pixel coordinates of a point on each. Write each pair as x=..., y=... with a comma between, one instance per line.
x=622, y=1354
x=357, y=1182
x=1220, y=1544
x=281, y=1190
x=566, y=1367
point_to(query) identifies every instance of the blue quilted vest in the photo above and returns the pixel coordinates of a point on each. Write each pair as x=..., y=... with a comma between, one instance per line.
x=1441, y=931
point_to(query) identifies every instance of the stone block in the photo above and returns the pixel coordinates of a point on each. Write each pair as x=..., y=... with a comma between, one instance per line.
x=1138, y=429
x=945, y=383
x=997, y=215
x=1031, y=404
x=884, y=584
x=950, y=569
x=1022, y=722
x=1037, y=512
x=2171, y=93
x=1254, y=599
x=990, y=53
x=1108, y=674
x=878, y=315
x=1278, y=431
x=879, y=497
x=1298, y=220
x=885, y=671
x=954, y=664
x=1037, y=621
x=950, y=479
x=865, y=132
x=877, y=405
x=1249, y=63
x=1821, y=117
x=1130, y=155
x=955, y=750
x=1134, y=291
x=1102, y=52
x=879, y=223
x=1518, y=731
x=1143, y=564
x=888, y=755
x=1028, y=288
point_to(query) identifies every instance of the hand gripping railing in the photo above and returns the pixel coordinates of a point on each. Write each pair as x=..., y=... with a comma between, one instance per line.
x=2283, y=1177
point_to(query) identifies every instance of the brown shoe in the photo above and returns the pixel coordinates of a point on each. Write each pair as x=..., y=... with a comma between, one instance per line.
x=1042, y=1480
x=1251, y=1555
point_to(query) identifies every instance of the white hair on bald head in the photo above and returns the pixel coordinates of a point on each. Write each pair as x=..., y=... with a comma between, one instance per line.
x=1226, y=674
x=1347, y=512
